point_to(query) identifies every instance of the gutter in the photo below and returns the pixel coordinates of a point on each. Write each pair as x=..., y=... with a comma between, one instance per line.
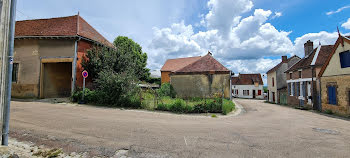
x=74, y=66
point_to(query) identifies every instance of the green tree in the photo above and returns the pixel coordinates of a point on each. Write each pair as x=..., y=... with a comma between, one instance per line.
x=114, y=76
x=126, y=45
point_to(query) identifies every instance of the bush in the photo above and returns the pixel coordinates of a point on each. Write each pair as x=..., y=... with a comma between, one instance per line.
x=166, y=90
x=90, y=96
x=330, y=112
x=227, y=106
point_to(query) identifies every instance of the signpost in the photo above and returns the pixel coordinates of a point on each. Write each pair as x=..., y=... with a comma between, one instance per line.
x=85, y=74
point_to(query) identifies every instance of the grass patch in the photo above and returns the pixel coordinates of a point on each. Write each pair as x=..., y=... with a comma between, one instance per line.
x=191, y=105
x=330, y=112
x=214, y=116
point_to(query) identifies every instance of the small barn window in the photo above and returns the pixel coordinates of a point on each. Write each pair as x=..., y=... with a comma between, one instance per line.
x=273, y=82
x=299, y=74
x=259, y=92
x=290, y=75
x=15, y=72
x=332, y=95
x=344, y=59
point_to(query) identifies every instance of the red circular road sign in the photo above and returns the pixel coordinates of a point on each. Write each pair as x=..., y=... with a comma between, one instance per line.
x=85, y=74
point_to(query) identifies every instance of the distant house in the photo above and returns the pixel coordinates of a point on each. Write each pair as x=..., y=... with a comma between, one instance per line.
x=335, y=78
x=277, y=82
x=197, y=76
x=303, y=76
x=48, y=55
x=248, y=86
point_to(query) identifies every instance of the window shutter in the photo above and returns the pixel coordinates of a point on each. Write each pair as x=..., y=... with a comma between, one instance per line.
x=329, y=95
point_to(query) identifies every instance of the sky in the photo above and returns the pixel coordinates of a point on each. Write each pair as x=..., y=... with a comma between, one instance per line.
x=246, y=36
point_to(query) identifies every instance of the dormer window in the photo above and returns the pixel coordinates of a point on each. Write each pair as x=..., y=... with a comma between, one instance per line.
x=344, y=59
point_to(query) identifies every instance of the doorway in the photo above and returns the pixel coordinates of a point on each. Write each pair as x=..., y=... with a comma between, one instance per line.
x=253, y=94
x=56, y=79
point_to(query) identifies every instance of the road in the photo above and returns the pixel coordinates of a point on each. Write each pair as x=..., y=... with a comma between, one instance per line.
x=264, y=130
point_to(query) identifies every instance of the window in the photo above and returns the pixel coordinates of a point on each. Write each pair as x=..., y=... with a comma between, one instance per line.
x=290, y=75
x=299, y=74
x=332, y=96
x=259, y=92
x=344, y=59
x=273, y=82
x=237, y=91
x=15, y=72
x=245, y=92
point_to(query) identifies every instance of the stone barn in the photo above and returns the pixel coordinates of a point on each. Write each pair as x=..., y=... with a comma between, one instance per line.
x=197, y=76
x=48, y=55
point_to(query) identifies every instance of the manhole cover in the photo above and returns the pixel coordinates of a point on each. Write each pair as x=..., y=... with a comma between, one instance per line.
x=327, y=131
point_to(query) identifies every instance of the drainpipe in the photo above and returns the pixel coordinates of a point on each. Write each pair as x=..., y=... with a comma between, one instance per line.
x=230, y=85
x=320, y=101
x=313, y=88
x=74, y=66
x=7, y=94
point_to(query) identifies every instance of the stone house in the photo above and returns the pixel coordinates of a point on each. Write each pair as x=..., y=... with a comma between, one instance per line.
x=335, y=79
x=302, y=76
x=197, y=76
x=248, y=86
x=48, y=55
x=277, y=82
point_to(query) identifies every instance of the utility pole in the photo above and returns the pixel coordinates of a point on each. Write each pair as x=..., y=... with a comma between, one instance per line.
x=7, y=31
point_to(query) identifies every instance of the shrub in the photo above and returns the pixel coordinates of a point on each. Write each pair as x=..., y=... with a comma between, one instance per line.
x=166, y=90
x=90, y=96
x=162, y=107
x=330, y=112
x=227, y=106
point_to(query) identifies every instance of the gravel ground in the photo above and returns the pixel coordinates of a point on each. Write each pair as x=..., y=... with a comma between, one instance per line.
x=262, y=130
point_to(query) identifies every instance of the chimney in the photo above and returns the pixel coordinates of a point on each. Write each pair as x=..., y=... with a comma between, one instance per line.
x=284, y=59
x=308, y=47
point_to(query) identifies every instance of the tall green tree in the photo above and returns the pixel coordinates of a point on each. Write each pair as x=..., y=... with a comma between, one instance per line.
x=126, y=45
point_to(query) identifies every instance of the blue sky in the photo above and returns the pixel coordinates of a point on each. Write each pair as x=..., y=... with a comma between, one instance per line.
x=247, y=36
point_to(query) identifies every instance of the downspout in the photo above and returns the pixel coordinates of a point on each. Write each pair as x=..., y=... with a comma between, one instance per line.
x=230, y=85
x=313, y=88
x=320, y=100
x=74, y=66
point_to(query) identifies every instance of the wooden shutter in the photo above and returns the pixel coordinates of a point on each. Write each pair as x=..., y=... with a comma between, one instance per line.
x=332, y=98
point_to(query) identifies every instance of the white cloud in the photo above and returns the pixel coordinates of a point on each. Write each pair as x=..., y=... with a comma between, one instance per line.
x=222, y=13
x=325, y=38
x=338, y=10
x=346, y=25
x=277, y=14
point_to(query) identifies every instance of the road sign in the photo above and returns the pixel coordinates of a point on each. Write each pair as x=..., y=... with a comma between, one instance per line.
x=85, y=74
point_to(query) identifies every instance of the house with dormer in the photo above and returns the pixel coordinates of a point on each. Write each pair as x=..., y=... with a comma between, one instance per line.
x=335, y=78
x=302, y=77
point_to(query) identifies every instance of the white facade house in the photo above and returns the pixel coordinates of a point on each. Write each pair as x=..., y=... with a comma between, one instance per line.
x=248, y=86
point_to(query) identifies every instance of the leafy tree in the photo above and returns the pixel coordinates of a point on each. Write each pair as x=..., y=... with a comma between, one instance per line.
x=114, y=76
x=126, y=45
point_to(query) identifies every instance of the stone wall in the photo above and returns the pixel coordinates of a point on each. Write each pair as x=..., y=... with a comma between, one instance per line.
x=201, y=85
x=342, y=91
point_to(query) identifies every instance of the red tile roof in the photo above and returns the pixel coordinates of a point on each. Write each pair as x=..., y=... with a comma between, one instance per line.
x=62, y=26
x=176, y=64
x=204, y=64
x=305, y=62
x=279, y=65
x=247, y=79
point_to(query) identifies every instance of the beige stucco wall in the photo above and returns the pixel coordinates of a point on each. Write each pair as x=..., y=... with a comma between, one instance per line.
x=333, y=67
x=342, y=91
x=270, y=87
x=201, y=85
x=28, y=54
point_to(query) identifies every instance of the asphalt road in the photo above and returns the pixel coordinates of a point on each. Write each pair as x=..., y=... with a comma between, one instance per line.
x=264, y=130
